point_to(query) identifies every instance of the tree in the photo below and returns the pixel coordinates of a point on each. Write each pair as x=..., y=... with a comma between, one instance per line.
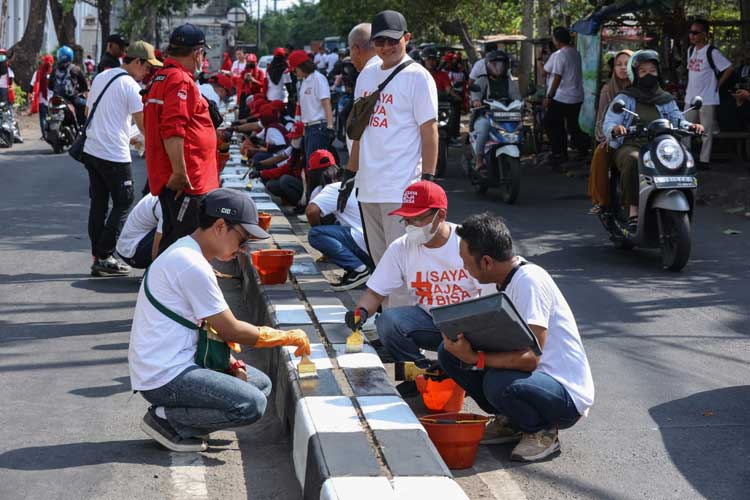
x=25, y=52
x=65, y=23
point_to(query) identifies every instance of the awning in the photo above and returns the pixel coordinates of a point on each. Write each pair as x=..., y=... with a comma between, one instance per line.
x=590, y=25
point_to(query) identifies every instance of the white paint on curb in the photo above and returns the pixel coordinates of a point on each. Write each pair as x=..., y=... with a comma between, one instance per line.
x=188, y=474
x=318, y=355
x=330, y=313
x=361, y=488
x=388, y=413
x=291, y=314
x=368, y=358
x=434, y=488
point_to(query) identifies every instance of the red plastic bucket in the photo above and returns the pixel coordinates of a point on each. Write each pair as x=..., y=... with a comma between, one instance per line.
x=264, y=220
x=273, y=265
x=444, y=395
x=456, y=436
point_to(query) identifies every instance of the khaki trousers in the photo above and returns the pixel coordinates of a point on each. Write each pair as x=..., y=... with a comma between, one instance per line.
x=706, y=116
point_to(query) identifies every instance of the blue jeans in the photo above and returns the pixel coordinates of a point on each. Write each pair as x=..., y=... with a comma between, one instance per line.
x=141, y=259
x=336, y=242
x=43, y=118
x=404, y=330
x=532, y=401
x=199, y=400
x=482, y=129
x=315, y=138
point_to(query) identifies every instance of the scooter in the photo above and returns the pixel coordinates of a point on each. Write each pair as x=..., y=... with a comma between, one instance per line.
x=667, y=180
x=7, y=125
x=502, y=152
x=62, y=126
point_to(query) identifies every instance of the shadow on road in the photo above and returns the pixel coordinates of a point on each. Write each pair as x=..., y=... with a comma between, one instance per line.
x=54, y=329
x=708, y=439
x=129, y=284
x=122, y=385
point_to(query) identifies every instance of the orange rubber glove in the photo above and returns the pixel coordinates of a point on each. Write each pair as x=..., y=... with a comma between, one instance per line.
x=270, y=337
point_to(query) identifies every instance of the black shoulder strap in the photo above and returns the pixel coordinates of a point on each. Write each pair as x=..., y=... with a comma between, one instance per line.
x=395, y=72
x=710, y=57
x=96, y=103
x=510, y=276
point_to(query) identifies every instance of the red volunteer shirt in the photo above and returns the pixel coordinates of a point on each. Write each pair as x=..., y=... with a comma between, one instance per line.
x=442, y=80
x=174, y=107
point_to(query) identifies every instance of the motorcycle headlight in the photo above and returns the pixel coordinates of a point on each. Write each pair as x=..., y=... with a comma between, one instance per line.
x=690, y=160
x=670, y=154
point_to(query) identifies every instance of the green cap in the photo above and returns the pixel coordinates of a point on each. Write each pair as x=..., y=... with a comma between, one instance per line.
x=143, y=50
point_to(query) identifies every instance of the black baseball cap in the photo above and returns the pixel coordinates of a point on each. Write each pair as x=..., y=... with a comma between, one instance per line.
x=235, y=207
x=188, y=35
x=388, y=23
x=118, y=39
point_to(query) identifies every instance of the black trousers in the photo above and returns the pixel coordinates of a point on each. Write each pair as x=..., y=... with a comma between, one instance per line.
x=180, y=216
x=287, y=187
x=560, y=120
x=113, y=181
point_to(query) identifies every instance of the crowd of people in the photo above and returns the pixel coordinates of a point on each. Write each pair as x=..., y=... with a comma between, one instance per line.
x=380, y=217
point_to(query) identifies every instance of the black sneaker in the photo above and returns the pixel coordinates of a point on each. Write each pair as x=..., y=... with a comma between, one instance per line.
x=351, y=279
x=109, y=267
x=163, y=433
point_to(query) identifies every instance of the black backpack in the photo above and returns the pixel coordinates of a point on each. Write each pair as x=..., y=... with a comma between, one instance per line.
x=64, y=86
x=727, y=115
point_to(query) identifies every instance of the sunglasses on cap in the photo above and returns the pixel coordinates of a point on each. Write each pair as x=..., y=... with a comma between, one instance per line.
x=382, y=41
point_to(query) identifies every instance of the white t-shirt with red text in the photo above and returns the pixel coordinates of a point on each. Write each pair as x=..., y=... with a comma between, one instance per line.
x=390, y=150
x=701, y=78
x=433, y=276
x=313, y=89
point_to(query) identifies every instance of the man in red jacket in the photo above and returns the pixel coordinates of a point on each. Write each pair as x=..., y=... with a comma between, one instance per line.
x=180, y=137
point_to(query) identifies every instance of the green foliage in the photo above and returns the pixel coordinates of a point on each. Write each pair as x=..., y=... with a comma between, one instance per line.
x=21, y=97
x=136, y=17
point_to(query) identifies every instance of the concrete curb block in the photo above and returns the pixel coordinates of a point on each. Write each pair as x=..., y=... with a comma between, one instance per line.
x=353, y=435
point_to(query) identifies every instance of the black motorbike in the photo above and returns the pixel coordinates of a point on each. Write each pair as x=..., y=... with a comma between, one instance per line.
x=62, y=127
x=446, y=109
x=7, y=125
x=667, y=185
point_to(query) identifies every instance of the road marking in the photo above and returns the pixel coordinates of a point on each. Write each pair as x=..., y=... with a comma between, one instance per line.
x=188, y=476
x=499, y=481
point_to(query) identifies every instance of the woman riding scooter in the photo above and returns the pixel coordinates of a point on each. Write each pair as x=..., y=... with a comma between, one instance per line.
x=647, y=99
x=496, y=85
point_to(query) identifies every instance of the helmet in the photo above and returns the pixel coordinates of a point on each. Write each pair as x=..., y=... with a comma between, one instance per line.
x=429, y=52
x=497, y=61
x=64, y=54
x=639, y=58
x=416, y=55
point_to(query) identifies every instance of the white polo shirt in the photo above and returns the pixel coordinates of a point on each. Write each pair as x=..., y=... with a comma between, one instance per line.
x=312, y=90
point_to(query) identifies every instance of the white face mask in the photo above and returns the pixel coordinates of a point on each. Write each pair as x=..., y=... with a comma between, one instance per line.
x=422, y=235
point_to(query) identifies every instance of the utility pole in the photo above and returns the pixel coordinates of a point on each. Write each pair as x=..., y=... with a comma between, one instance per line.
x=527, y=48
x=257, y=42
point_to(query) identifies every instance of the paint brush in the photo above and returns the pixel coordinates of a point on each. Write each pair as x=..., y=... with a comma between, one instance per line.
x=355, y=341
x=306, y=368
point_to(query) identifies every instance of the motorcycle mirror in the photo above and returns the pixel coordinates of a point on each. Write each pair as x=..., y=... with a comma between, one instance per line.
x=618, y=106
x=475, y=88
x=697, y=103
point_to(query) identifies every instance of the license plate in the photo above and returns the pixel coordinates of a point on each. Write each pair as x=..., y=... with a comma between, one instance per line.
x=679, y=181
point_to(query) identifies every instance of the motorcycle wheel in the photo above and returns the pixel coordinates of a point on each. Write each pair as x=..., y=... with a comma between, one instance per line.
x=511, y=179
x=6, y=139
x=442, y=162
x=54, y=141
x=675, y=246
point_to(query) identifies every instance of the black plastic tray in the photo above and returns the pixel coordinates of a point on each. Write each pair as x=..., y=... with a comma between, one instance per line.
x=490, y=323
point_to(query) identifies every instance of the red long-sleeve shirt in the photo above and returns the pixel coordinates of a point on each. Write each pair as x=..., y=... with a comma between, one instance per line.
x=174, y=107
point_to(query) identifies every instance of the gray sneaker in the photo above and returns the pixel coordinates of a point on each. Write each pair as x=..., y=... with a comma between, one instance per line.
x=536, y=446
x=499, y=431
x=163, y=433
x=109, y=267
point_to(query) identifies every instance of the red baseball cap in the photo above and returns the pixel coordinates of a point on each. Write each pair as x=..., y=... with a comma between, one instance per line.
x=298, y=130
x=267, y=112
x=296, y=58
x=278, y=105
x=251, y=58
x=279, y=51
x=223, y=81
x=256, y=103
x=321, y=158
x=421, y=197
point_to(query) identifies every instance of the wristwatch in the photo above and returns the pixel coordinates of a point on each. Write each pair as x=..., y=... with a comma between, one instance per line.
x=237, y=365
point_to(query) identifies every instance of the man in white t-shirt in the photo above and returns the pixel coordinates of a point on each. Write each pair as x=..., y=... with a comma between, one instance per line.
x=342, y=243
x=106, y=152
x=331, y=59
x=320, y=59
x=400, y=143
x=238, y=66
x=138, y=244
x=531, y=396
x=564, y=97
x=179, y=293
x=703, y=82
x=480, y=66
x=426, y=261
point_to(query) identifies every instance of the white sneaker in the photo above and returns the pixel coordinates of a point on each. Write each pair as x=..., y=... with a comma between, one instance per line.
x=536, y=446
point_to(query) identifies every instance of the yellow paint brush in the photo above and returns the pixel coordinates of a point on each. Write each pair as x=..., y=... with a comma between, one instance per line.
x=306, y=368
x=354, y=342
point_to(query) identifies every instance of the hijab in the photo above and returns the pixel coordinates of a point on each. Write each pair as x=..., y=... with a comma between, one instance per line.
x=614, y=86
x=276, y=69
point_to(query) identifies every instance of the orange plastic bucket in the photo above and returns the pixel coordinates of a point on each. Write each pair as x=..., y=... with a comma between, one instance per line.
x=273, y=265
x=444, y=395
x=264, y=220
x=456, y=436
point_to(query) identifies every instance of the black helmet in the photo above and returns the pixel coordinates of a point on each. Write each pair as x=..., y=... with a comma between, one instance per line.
x=498, y=62
x=639, y=58
x=429, y=52
x=415, y=54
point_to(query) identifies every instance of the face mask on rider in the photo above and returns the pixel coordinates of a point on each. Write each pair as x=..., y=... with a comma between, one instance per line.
x=422, y=235
x=648, y=82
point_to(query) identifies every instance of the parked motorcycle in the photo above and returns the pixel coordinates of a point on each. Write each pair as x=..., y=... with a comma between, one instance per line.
x=502, y=152
x=444, y=117
x=7, y=125
x=667, y=180
x=62, y=127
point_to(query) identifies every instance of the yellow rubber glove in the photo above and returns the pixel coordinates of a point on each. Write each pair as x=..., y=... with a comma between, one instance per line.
x=270, y=337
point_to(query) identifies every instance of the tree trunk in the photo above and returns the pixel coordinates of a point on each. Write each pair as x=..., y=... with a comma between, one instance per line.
x=103, y=7
x=527, y=48
x=65, y=23
x=25, y=52
x=458, y=28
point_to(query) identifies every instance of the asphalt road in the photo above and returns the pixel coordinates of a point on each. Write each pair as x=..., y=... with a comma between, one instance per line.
x=68, y=420
x=669, y=352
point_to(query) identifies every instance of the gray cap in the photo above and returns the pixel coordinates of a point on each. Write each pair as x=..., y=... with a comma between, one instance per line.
x=236, y=208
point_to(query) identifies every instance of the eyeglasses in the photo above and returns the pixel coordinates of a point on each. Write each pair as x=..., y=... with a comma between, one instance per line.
x=382, y=41
x=244, y=239
x=696, y=33
x=409, y=221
